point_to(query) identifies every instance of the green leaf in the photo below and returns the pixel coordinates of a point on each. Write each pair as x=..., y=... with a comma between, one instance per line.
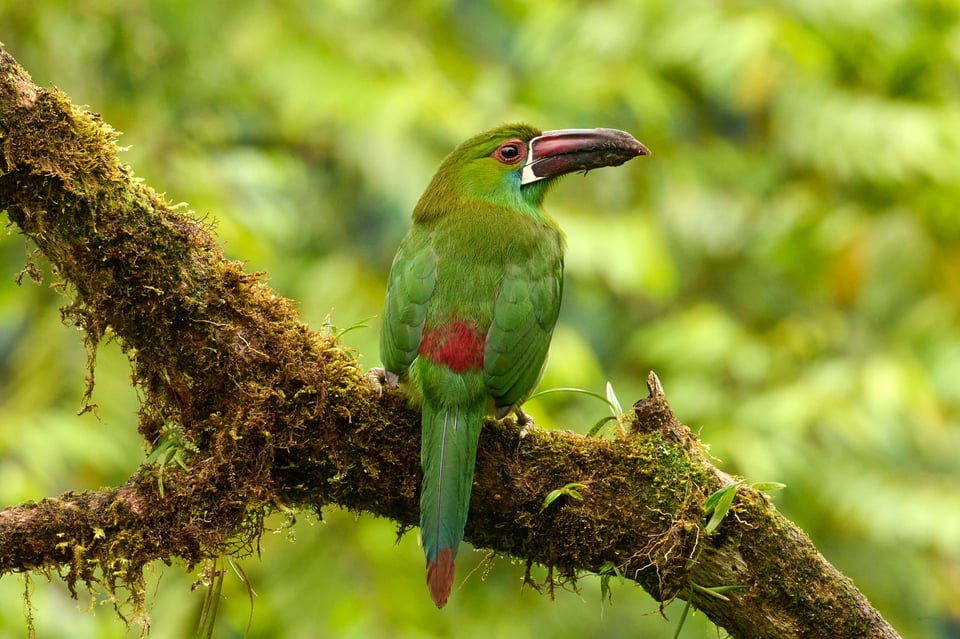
x=608, y=570
x=240, y=572
x=338, y=332
x=613, y=401
x=717, y=505
x=610, y=400
x=716, y=591
x=169, y=447
x=570, y=390
x=683, y=618
x=211, y=601
x=569, y=490
x=595, y=429
x=768, y=486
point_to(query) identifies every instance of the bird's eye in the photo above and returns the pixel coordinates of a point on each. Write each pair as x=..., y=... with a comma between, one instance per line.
x=510, y=152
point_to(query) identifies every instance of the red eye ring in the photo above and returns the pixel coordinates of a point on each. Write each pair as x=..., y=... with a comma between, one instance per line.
x=510, y=152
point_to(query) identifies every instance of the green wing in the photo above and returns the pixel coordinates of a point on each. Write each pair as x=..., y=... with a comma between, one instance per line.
x=523, y=319
x=410, y=285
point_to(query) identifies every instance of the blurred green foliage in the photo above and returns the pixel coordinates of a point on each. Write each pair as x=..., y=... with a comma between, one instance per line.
x=787, y=261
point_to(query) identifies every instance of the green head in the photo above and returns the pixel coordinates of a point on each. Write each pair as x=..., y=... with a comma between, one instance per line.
x=513, y=166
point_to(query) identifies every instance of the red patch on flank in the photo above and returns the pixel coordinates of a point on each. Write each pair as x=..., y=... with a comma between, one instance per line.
x=457, y=345
x=440, y=577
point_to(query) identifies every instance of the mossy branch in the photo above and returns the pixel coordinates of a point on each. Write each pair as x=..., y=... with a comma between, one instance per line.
x=279, y=416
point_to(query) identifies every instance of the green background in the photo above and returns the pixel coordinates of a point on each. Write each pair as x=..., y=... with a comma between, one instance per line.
x=787, y=261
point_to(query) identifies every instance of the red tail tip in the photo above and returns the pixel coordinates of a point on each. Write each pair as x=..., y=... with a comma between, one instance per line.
x=440, y=577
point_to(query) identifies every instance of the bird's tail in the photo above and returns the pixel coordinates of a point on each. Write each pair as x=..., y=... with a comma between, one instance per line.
x=448, y=455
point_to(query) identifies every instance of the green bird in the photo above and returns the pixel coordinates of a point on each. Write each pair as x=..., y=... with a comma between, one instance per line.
x=472, y=299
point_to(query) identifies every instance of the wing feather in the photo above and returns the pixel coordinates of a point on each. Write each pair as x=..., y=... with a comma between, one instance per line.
x=410, y=285
x=524, y=315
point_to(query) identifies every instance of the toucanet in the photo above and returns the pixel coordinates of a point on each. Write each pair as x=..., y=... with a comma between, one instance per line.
x=472, y=299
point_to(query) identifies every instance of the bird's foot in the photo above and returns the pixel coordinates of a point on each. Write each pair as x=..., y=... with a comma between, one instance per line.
x=380, y=377
x=524, y=421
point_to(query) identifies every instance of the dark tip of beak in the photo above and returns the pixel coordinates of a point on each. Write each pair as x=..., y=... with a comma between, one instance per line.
x=555, y=153
x=616, y=139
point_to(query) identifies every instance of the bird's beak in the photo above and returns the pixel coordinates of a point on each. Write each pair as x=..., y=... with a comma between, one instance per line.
x=554, y=153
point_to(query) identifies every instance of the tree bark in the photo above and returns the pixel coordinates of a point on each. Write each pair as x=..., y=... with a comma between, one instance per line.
x=269, y=414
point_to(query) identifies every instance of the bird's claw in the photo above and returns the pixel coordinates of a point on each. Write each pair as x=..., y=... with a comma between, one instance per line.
x=524, y=421
x=380, y=377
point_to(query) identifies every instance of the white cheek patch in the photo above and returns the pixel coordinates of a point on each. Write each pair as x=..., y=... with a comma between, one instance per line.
x=526, y=173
